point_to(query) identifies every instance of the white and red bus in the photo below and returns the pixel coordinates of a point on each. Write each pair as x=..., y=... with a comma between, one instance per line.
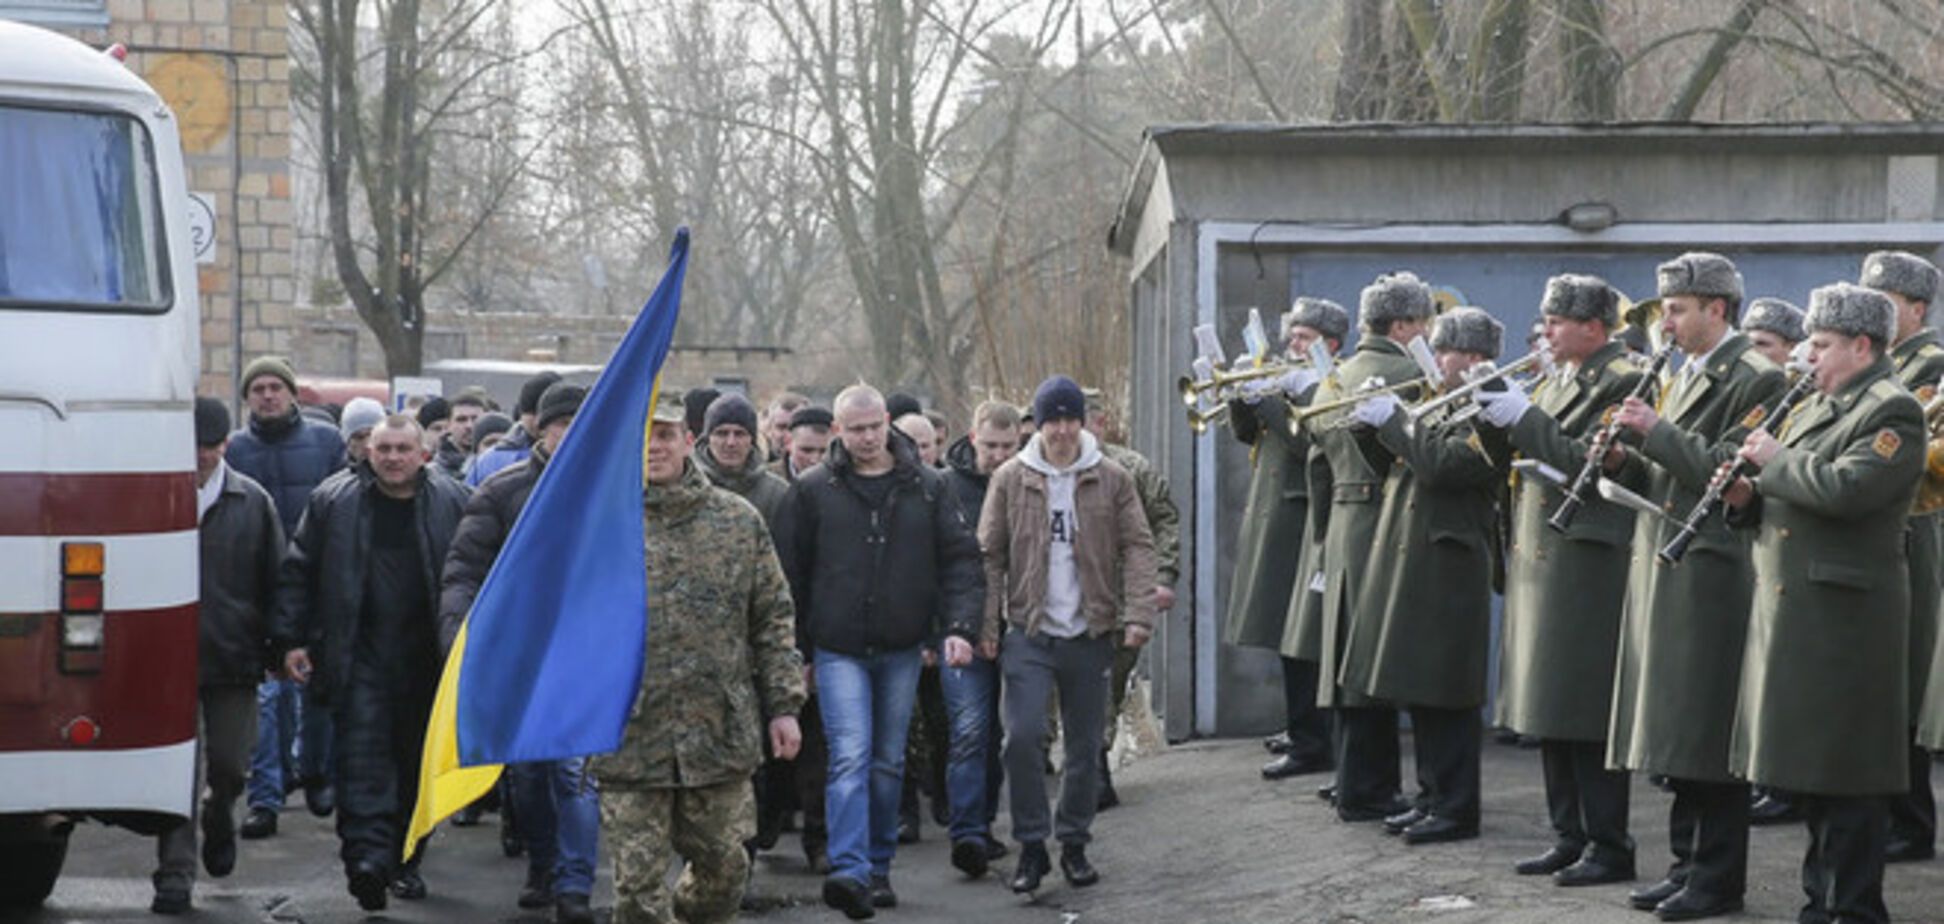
x=98, y=545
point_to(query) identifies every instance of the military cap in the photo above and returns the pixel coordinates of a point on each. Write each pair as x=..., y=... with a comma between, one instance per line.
x=1398, y=296
x=1699, y=273
x=1906, y=274
x=1468, y=330
x=1775, y=316
x=669, y=407
x=1576, y=297
x=1853, y=311
x=1319, y=314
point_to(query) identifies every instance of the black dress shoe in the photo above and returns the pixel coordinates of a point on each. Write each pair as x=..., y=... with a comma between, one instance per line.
x=848, y=895
x=219, y=845
x=573, y=909
x=1074, y=866
x=1650, y=897
x=320, y=797
x=995, y=850
x=969, y=856
x=172, y=900
x=1901, y=850
x=1396, y=824
x=818, y=859
x=1290, y=765
x=1771, y=809
x=1357, y=814
x=881, y=894
x=1548, y=863
x=1277, y=743
x=368, y=885
x=1327, y=792
x=1693, y=906
x=538, y=890
x=1033, y=866
x=1593, y=872
x=260, y=823
x=1436, y=829
x=408, y=885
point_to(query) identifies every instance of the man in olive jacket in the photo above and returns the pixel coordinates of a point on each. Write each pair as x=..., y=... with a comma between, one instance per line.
x=1674, y=699
x=1266, y=574
x=1911, y=282
x=1823, y=707
x=1430, y=579
x=1564, y=592
x=1349, y=465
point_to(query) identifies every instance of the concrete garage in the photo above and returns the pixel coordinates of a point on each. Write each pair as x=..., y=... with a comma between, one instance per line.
x=1217, y=219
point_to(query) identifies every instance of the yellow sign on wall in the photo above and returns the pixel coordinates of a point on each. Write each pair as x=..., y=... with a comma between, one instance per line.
x=195, y=86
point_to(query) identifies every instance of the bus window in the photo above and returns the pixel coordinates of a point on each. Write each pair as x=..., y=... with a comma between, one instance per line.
x=80, y=227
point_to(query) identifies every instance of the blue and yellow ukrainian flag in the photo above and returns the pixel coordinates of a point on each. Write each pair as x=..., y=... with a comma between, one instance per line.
x=547, y=664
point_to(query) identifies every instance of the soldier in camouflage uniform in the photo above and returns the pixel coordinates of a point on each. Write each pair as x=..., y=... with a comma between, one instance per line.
x=722, y=664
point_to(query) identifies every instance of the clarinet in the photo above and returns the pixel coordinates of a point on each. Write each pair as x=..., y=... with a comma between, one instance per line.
x=1711, y=500
x=1603, y=438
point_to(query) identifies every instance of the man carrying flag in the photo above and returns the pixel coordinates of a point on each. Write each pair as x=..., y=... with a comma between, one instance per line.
x=721, y=665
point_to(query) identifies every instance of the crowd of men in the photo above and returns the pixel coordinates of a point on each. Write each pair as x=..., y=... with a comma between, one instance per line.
x=1780, y=661
x=836, y=596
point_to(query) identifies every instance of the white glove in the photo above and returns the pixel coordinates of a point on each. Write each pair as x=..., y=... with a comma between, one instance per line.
x=1376, y=410
x=1502, y=409
x=1296, y=381
x=1254, y=390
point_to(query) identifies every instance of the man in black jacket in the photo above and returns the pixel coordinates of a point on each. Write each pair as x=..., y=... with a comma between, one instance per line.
x=359, y=589
x=874, y=548
x=240, y=543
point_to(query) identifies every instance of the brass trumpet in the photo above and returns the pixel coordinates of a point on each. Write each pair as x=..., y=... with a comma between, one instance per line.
x=1535, y=360
x=1298, y=415
x=1220, y=384
x=1200, y=420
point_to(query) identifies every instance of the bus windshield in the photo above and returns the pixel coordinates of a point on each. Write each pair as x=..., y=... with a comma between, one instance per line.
x=80, y=226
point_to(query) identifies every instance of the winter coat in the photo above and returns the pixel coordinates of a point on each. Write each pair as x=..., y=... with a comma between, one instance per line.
x=1268, y=547
x=1919, y=363
x=242, y=545
x=963, y=479
x=483, y=529
x=752, y=482
x=289, y=457
x=517, y=445
x=1158, y=506
x=870, y=580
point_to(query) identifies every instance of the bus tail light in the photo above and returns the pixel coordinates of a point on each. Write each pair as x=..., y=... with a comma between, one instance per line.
x=83, y=624
x=81, y=630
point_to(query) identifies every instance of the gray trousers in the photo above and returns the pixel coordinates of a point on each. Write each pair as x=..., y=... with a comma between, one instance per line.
x=226, y=733
x=1034, y=668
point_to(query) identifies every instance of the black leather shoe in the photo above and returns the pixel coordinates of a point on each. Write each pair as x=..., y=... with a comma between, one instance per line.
x=881, y=894
x=1290, y=765
x=1327, y=792
x=1396, y=824
x=1074, y=866
x=848, y=895
x=969, y=856
x=367, y=882
x=172, y=900
x=818, y=859
x=1277, y=743
x=259, y=824
x=219, y=846
x=1435, y=829
x=320, y=797
x=1771, y=809
x=1693, y=906
x=1033, y=866
x=1650, y=897
x=995, y=850
x=1548, y=863
x=408, y=885
x=1357, y=814
x=1900, y=850
x=1591, y=873
x=538, y=890
x=573, y=909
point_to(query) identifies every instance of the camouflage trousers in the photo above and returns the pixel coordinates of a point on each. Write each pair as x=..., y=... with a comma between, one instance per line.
x=705, y=826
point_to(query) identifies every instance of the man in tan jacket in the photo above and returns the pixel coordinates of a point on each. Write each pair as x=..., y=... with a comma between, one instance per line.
x=1065, y=541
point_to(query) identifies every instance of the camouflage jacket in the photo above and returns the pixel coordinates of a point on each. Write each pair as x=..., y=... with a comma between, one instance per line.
x=721, y=643
x=1163, y=518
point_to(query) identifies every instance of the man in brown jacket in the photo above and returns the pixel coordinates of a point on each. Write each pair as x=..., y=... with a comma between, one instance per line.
x=1065, y=541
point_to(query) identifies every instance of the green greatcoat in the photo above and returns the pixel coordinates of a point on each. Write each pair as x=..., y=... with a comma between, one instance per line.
x=1348, y=465
x=1271, y=540
x=1676, y=682
x=1563, y=592
x=1823, y=700
x=1430, y=574
x=1919, y=363
x=1303, y=626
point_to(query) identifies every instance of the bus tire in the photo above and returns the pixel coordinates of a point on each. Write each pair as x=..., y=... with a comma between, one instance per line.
x=32, y=861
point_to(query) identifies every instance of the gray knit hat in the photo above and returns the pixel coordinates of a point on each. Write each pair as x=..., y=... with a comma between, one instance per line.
x=1852, y=311
x=1906, y=274
x=1775, y=316
x=360, y=414
x=1581, y=298
x=1319, y=314
x=1468, y=330
x=1699, y=273
x=1398, y=296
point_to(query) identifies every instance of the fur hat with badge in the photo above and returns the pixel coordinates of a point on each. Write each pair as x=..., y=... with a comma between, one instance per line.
x=1709, y=275
x=1776, y=316
x=1318, y=314
x=1399, y=296
x=1906, y=274
x=1578, y=297
x=1852, y=311
x=1468, y=330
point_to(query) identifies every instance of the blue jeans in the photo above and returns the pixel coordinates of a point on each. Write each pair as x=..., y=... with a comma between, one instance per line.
x=866, y=704
x=293, y=737
x=559, y=813
x=971, y=706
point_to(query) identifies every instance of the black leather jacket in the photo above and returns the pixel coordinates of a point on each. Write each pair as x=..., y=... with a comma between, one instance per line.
x=242, y=543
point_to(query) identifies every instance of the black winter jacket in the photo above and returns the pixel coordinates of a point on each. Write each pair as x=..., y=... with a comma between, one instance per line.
x=321, y=589
x=488, y=520
x=963, y=479
x=868, y=580
x=242, y=544
x=289, y=456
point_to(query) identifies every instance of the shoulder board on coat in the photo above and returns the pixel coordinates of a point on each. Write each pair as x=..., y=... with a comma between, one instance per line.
x=1885, y=389
x=1754, y=359
x=1930, y=351
x=1624, y=364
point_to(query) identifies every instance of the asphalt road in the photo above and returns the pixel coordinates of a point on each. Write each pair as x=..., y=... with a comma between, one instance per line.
x=1200, y=838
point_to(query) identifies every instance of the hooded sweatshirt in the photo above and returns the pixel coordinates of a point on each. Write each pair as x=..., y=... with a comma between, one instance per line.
x=752, y=482
x=1063, y=615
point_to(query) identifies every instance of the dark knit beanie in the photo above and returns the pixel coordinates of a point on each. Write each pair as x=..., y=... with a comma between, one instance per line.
x=530, y=393
x=898, y=404
x=212, y=422
x=489, y=425
x=433, y=410
x=696, y=405
x=1059, y=398
x=269, y=365
x=731, y=408
x=561, y=400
